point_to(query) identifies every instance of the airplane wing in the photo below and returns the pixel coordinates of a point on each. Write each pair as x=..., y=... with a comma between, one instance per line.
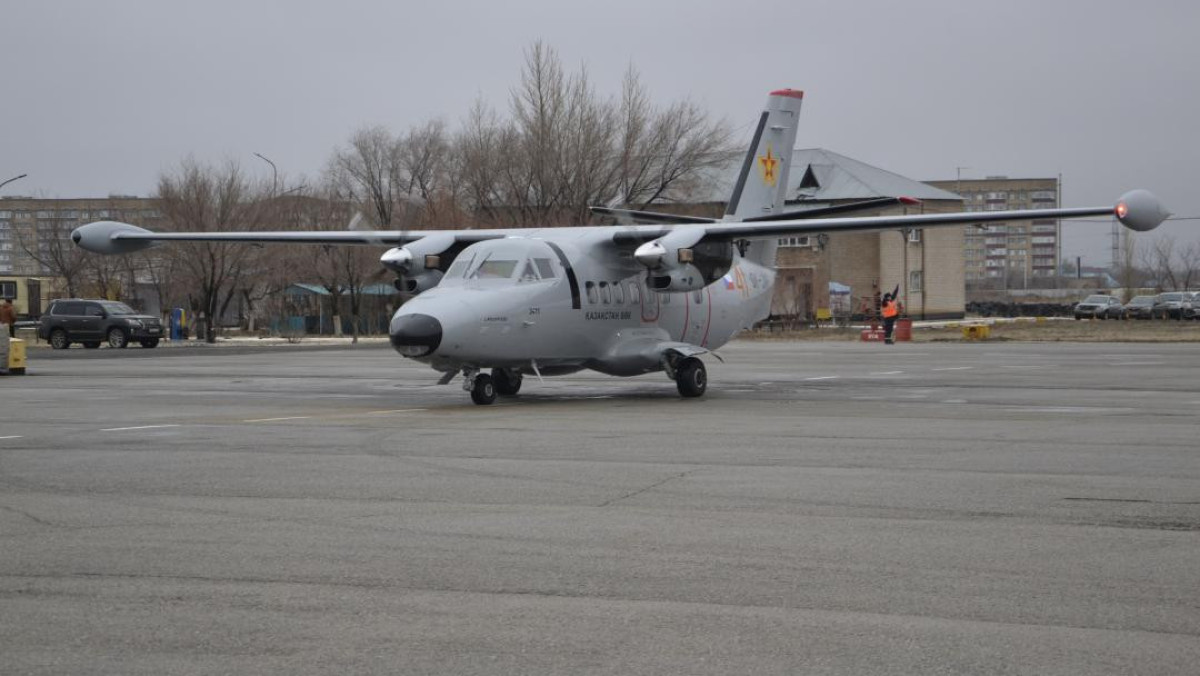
x=1138, y=209
x=112, y=237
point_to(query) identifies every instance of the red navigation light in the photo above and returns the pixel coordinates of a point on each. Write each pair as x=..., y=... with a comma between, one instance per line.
x=909, y=200
x=793, y=93
x=1122, y=210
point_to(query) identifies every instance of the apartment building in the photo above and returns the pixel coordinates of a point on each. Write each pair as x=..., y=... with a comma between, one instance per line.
x=35, y=232
x=1015, y=254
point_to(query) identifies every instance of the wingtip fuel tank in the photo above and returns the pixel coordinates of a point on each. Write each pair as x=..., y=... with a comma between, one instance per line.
x=99, y=237
x=1140, y=210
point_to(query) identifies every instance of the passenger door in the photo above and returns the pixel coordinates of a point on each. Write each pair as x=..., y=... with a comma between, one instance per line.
x=91, y=323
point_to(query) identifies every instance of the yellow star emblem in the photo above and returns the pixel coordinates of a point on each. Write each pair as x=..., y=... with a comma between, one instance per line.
x=766, y=163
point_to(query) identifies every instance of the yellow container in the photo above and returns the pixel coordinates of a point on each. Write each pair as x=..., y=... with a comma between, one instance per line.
x=16, y=356
x=976, y=332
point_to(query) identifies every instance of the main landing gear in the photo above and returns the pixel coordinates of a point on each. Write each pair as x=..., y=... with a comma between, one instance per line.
x=691, y=378
x=484, y=387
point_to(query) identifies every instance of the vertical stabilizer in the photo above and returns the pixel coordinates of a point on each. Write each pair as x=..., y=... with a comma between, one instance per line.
x=762, y=182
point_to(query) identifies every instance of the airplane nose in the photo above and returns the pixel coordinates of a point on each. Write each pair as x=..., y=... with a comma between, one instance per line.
x=415, y=335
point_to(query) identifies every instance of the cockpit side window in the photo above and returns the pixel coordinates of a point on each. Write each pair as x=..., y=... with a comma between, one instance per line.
x=544, y=267
x=459, y=267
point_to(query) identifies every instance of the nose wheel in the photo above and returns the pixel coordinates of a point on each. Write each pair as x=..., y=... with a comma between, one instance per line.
x=483, y=390
x=691, y=378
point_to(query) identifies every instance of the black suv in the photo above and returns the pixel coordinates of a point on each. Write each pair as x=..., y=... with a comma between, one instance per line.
x=89, y=322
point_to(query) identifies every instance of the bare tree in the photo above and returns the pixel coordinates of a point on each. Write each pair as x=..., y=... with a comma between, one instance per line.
x=199, y=198
x=52, y=249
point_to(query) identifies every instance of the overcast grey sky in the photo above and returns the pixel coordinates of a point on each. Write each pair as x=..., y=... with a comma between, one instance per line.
x=100, y=97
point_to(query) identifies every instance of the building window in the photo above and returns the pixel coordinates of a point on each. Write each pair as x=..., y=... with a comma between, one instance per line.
x=802, y=241
x=914, y=235
x=916, y=281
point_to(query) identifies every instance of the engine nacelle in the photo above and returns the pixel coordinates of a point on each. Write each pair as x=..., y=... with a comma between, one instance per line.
x=680, y=261
x=418, y=263
x=414, y=284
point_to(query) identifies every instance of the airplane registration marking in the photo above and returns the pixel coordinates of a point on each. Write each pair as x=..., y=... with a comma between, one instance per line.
x=140, y=427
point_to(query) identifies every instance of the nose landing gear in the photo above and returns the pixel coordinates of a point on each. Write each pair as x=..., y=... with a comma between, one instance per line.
x=480, y=385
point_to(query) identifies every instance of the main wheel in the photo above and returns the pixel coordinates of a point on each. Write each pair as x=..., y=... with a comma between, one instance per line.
x=484, y=391
x=117, y=338
x=149, y=342
x=691, y=377
x=59, y=340
x=507, y=382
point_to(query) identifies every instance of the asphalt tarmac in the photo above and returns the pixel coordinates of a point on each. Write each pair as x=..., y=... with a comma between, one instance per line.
x=827, y=508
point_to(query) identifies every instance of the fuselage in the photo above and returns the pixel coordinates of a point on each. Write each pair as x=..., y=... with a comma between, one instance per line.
x=564, y=299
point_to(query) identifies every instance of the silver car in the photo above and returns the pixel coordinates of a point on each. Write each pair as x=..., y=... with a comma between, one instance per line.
x=1100, y=306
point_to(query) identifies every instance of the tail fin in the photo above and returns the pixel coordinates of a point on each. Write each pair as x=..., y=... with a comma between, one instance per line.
x=762, y=183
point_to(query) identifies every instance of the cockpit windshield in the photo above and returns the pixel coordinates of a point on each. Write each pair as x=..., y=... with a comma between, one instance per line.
x=494, y=269
x=491, y=262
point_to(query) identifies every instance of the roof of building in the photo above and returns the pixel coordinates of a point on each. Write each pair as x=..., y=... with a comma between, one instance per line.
x=822, y=175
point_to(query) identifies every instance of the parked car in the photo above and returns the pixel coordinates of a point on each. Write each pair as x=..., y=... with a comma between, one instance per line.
x=90, y=322
x=1140, y=307
x=1099, y=306
x=1172, y=304
x=1193, y=312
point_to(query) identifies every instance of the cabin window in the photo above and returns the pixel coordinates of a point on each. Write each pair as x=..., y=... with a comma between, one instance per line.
x=591, y=293
x=666, y=298
x=635, y=294
x=618, y=293
x=698, y=297
x=545, y=267
x=604, y=296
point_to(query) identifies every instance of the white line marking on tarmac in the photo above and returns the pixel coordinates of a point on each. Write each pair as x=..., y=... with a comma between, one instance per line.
x=294, y=417
x=15, y=437
x=954, y=401
x=1139, y=363
x=886, y=373
x=143, y=427
x=821, y=378
x=398, y=410
x=955, y=368
x=1025, y=366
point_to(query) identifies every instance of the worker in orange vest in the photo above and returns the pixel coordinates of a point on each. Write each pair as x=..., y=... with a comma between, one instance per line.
x=890, y=311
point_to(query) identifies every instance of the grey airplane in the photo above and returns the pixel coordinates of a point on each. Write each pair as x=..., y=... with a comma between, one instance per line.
x=623, y=300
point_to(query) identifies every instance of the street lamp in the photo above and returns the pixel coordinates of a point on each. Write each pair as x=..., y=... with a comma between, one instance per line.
x=14, y=178
x=274, y=171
